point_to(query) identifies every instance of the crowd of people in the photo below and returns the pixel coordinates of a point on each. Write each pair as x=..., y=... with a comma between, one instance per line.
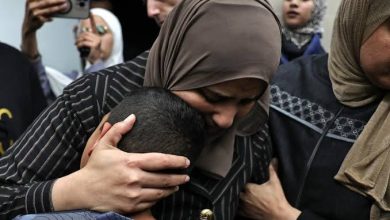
x=218, y=119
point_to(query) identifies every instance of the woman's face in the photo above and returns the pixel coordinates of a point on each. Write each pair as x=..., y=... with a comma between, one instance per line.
x=159, y=9
x=375, y=56
x=104, y=33
x=222, y=103
x=296, y=13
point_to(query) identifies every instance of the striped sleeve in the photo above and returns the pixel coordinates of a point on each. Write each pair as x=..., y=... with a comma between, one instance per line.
x=52, y=146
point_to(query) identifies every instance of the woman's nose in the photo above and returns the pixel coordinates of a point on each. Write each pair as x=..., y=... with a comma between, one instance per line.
x=224, y=116
x=294, y=3
x=152, y=9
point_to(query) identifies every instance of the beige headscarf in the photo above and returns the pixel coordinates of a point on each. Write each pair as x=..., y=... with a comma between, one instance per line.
x=366, y=168
x=205, y=42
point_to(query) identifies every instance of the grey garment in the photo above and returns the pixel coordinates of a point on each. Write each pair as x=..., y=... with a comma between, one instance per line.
x=302, y=35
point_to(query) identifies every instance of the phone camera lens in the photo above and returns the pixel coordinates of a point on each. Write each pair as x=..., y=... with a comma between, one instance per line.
x=81, y=4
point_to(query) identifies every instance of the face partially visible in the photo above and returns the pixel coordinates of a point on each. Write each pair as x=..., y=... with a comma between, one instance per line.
x=105, y=34
x=375, y=56
x=159, y=9
x=225, y=102
x=296, y=13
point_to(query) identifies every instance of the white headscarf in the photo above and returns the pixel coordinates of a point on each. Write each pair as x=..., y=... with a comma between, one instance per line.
x=114, y=25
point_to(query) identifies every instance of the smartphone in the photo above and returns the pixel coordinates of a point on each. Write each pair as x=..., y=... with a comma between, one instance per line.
x=76, y=9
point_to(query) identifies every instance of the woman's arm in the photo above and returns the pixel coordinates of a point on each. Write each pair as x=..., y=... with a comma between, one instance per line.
x=50, y=151
x=113, y=180
x=36, y=14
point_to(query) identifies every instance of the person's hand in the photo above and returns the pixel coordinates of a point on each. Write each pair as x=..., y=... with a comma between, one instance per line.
x=40, y=11
x=92, y=41
x=37, y=12
x=267, y=201
x=113, y=180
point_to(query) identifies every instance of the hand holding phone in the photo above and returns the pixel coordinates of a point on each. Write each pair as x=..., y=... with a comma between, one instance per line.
x=88, y=40
x=75, y=9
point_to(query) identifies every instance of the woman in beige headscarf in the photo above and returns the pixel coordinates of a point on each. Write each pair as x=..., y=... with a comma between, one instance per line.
x=359, y=68
x=314, y=158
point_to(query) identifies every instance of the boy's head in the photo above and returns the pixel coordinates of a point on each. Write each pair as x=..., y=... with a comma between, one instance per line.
x=164, y=123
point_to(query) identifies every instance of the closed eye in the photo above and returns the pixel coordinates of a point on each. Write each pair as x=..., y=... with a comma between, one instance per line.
x=213, y=97
x=249, y=101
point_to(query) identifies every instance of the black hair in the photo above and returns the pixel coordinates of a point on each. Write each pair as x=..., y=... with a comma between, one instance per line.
x=164, y=123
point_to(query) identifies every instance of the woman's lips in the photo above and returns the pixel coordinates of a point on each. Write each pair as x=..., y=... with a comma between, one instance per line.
x=292, y=14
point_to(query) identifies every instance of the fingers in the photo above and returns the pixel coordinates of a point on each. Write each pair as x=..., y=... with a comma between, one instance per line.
x=274, y=164
x=272, y=168
x=150, y=195
x=159, y=180
x=105, y=128
x=89, y=40
x=114, y=134
x=273, y=175
x=159, y=161
x=47, y=7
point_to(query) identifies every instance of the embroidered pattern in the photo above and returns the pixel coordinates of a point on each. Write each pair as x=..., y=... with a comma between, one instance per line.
x=315, y=114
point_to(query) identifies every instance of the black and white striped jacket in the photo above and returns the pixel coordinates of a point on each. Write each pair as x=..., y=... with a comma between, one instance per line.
x=53, y=144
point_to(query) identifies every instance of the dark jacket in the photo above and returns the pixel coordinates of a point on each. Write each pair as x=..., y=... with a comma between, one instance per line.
x=291, y=52
x=21, y=96
x=312, y=133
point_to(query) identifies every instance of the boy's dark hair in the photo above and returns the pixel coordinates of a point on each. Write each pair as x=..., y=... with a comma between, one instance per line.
x=164, y=123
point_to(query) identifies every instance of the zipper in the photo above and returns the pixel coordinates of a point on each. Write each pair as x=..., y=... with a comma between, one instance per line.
x=312, y=156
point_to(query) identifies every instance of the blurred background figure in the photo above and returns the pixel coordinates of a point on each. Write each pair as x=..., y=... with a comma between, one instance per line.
x=98, y=38
x=103, y=43
x=139, y=31
x=21, y=97
x=302, y=29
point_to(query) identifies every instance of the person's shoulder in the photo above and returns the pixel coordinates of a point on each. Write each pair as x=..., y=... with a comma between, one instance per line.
x=305, y=77
x=138, y=61
x=130, y=72
x=136, y=66
x=8, y=48
x=313, y=61
x=8, y=51
x=307, y=66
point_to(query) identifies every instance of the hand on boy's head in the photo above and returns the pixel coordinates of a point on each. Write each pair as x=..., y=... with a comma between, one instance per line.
x=110, y=170
x=101, y=131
